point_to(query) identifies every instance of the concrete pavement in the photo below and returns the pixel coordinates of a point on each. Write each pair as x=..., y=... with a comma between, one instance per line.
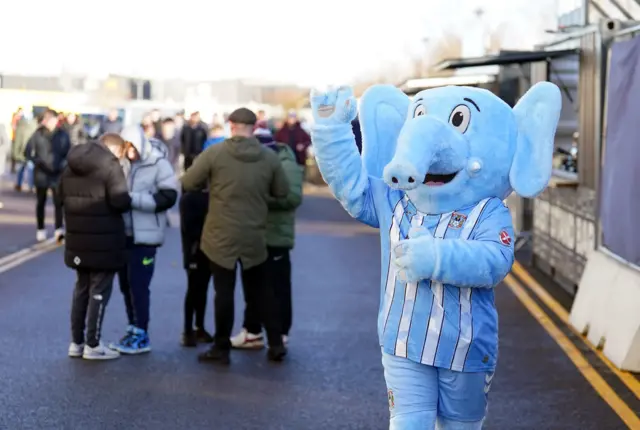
x=331, y=380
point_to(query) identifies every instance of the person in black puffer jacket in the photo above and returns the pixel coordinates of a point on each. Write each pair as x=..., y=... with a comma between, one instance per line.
x=194, y=206
x=47, y=149
x=94, y=195
x=192, y=139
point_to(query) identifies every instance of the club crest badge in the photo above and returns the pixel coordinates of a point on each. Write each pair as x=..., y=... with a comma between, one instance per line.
x=391, y=399
x=457, y=220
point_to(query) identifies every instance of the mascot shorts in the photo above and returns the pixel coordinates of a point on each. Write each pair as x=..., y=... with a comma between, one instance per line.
x=421, y=395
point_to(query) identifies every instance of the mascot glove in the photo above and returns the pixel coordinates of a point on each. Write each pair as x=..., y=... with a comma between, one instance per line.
x=335, y=107
x=415, y=258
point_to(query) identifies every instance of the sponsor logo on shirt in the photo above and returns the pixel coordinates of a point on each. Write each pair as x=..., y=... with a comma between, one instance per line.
x=504, y=237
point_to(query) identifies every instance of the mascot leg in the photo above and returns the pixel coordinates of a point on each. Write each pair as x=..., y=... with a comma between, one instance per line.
x=412, y=389
x=462, y=403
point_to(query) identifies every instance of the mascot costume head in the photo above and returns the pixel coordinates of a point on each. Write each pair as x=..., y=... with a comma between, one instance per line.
x=432, y=177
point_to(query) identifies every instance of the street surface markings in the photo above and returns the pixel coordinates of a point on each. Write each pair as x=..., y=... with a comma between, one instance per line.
x=534, y=286
x=592, y=376
x=20, y=257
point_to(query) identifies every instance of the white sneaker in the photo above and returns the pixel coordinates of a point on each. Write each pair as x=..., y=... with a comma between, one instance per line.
x=41, y=235
x=246, y=340
x=58, y=234
x=75, y=350
x=100, y=352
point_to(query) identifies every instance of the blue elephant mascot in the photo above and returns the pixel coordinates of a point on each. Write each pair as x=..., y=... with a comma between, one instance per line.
x=432, y=177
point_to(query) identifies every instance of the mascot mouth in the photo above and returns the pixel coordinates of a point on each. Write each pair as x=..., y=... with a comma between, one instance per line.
x=433, y=180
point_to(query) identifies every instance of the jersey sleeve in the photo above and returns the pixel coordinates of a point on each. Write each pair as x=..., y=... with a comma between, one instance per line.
x=483, y=260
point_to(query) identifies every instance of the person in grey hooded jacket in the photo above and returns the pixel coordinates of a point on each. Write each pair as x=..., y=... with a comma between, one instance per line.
x=153, y=187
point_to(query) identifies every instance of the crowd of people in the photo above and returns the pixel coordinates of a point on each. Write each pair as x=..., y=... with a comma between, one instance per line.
x=237, y=198
x=13, y=142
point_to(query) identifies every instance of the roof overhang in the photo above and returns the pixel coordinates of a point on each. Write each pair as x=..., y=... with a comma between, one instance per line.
x=413, y=86
x=504, y=59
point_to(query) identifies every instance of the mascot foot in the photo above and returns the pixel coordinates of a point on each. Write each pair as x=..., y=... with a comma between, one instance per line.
x=414, y=421
x=446, y=424
x=427, y=420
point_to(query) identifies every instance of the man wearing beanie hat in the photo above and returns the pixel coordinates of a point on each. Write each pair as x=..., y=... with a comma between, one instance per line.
x=243, y=177
x=280, y=241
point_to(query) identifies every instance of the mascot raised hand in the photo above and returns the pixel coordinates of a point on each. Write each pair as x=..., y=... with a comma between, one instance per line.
x=432, y=177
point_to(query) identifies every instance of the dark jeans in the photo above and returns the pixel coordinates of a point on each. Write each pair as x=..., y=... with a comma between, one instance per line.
x=41, y=201
x=195, y=301
x=257, y=291
x=25, y=168
x=90, y=298
x=278, y=272
x=135, y=280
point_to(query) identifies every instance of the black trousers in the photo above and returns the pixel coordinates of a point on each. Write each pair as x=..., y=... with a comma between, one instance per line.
x=41, y=202
x=258, y=291
x=90, y=298
x=278, y=275
x=195, y=301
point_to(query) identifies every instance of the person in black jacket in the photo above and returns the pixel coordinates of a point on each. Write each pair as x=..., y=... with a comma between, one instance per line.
x=357, y=133
x=192, y=139
x=194, y=206
x=47, y=149
x=94, y=195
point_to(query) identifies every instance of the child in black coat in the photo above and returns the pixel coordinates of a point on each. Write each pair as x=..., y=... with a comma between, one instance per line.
x=193, y=211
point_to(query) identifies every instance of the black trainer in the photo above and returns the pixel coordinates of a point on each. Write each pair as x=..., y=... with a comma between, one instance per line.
x=202, y=336
x=277, y=353
x=189, y=340
x=215, y=355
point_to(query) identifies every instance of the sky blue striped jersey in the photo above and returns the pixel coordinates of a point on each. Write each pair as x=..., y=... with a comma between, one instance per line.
x=442, y=325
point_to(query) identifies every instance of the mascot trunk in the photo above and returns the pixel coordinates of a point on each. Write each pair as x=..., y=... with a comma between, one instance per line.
x=432, y=177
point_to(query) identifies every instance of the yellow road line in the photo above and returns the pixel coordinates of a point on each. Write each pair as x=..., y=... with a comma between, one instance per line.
x=627, y=378
x=591, y=375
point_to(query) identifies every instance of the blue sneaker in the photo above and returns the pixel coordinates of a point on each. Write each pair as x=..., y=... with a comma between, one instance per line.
x=126, y=339
x=138, y=343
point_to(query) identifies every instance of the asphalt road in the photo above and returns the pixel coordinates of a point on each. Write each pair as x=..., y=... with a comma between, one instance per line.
x=18, y=220
x=331, y=380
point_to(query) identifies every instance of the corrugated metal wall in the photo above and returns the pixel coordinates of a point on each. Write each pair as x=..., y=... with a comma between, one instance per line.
x=564, y=219
x=589, y=113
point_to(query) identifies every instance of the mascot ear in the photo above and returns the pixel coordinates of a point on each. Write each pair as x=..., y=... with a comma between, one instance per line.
x=537, y=115
x=382, y=113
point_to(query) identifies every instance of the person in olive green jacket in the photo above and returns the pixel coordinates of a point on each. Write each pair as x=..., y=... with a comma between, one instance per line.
x=243, y=177
x=280, y=241
x=24, y=129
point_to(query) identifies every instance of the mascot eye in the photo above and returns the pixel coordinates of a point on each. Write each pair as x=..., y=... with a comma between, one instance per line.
x=460, y=118
x=419, y=111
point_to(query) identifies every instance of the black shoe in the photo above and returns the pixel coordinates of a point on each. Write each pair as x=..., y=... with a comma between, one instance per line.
x=203, y=337
x=189, y=340
x=215, y=355
x=276, y=353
